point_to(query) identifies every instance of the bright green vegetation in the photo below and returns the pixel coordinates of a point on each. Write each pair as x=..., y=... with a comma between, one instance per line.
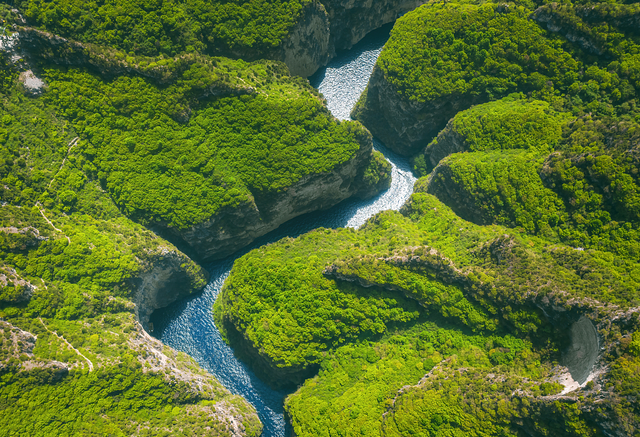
x=73, y=359
x=609, y=28
x=510, y=123
x=584, y=194
x=167, y=158
x=489, y=51
x=169, y=27
x=513, y=122
x=500, y=187
x=558, y=164
x=294, y=312
x=278, y=297
x=484, y=336
x=471, y=49
x=359, y=383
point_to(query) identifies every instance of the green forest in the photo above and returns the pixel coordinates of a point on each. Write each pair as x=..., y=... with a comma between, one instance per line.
x=169, y=27
x=455, y=316
x=72, y=359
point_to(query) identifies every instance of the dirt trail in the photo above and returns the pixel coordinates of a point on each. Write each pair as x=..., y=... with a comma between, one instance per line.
x=52, y=225
x=68, y=344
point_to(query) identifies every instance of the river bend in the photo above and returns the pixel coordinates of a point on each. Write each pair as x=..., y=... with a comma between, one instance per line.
x=188, y=324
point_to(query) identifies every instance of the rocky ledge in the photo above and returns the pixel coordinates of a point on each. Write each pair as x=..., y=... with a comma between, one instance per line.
x=405, y=126
x=166, y=276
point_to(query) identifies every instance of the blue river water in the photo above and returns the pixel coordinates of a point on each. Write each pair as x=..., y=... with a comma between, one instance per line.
x=188, y=325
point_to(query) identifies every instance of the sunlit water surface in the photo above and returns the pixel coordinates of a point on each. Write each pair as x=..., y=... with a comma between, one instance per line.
x=188, y=325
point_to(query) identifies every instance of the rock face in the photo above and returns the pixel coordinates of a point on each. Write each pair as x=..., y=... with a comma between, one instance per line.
x=232, y=228
x=333, y=25
x=167, y=277
x=448, y=142
x=405, y=126
x=582, y=354
x=307, y=47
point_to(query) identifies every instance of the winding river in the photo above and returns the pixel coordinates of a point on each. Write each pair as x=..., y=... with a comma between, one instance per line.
x=188, y=325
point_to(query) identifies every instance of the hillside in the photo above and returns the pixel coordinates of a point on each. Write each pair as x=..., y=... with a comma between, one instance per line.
x=105, y=156
x=304, y=34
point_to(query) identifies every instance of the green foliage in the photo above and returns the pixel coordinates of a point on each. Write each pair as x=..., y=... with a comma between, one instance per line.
x=278, y=297
x=465, y=52
x=160, y=168
x=510, y=123
x=33, y=143
x=499, y=187
x=585, y=194
x=408, y=383
x=470, y=49
x=114, y=400
x=169, y=27
x=596, y=173
x=378, y=170
x=69, y=262
x=625, y=380
x=291, y=312
x=514, y=263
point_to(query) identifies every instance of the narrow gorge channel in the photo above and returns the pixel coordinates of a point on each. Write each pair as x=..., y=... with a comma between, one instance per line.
x=188, y=324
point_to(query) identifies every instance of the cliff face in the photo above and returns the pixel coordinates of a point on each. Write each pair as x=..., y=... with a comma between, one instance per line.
x=332, y=25
x=448, y=142
x=166, y=277
x=405, y=126
x=232, y=228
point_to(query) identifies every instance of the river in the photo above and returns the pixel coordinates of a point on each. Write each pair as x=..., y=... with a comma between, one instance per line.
x=188, y=325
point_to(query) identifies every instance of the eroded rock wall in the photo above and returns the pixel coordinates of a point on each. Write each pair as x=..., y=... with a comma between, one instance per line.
x=406, y=126
x=333, y=25
x=168, y=275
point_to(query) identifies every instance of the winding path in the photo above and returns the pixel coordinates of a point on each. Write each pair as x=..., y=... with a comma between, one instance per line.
x=68, y=344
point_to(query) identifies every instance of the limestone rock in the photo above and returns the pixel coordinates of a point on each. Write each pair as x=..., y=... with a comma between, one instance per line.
x=168, y=275
x=333, y=25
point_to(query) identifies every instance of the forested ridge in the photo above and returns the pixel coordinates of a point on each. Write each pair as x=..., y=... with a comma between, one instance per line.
x=169, y=27
x=74, y=360
x=115, y=142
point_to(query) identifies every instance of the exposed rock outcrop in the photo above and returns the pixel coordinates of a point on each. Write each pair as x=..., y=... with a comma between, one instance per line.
x=167, y=276
x=582, y=354
x=333, y=25
x=232, y=228
x=406, y=126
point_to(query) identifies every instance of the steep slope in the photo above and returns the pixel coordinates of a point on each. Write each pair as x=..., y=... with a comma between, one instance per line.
x=445, y=58
x=201, y=148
